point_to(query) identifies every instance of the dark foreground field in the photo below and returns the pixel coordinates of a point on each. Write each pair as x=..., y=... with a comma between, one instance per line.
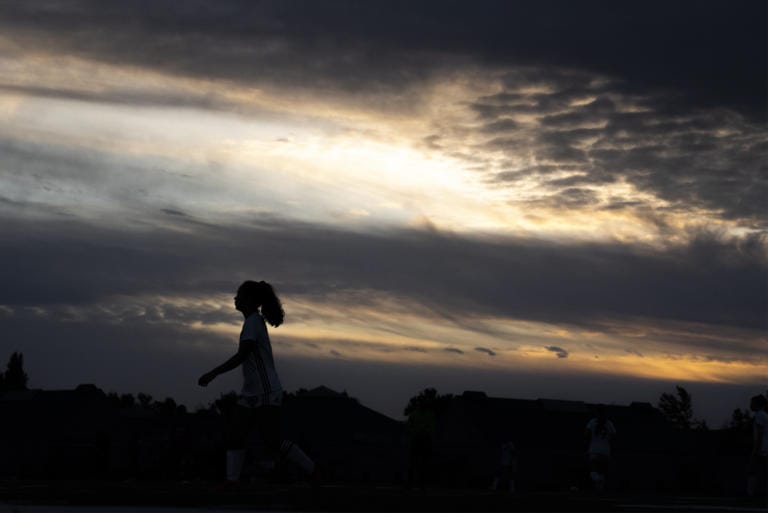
x=70, y=496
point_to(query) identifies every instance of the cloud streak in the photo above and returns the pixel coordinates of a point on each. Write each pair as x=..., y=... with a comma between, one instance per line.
x=559, y=351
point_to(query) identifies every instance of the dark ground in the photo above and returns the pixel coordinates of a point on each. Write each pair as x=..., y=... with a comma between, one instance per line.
x=206, y=496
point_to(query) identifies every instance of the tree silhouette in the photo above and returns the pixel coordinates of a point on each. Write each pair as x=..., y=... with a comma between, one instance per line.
x=427, y=398
x=679, y=410
x=15, y=378
x=145, y=400
x=168, y=406
x=226, y=402
x=741, y=420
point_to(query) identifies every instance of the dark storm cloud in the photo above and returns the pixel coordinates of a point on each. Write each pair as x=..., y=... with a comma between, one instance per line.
x=559, y=351
x=692, y=159
x=485, y=350
x=354, y=46
x=710, y=281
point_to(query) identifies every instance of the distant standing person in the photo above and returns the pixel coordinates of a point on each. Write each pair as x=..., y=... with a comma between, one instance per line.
x=262, y=394
x=758, y=461
x=600, y=431
x=422, y=424
x=507, y=468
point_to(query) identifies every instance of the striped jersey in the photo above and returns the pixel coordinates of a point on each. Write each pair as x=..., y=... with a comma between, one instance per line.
x=261, y=386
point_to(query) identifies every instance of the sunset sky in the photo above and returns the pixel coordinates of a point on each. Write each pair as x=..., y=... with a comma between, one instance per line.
x=535, y=199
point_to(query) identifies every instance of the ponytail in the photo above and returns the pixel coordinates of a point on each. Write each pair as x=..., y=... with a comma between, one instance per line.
x=262, y=293
x=271, y=307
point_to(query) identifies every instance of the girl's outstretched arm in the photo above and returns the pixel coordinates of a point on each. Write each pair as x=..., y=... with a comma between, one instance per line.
x=245, y=348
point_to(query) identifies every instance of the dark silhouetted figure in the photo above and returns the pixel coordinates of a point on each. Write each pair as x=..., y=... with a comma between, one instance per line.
x=600, y=431
x=757, y=475
x=422, y=422
x=258, y=405
x=505, y=478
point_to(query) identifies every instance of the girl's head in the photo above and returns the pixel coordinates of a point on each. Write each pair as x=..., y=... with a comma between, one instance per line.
x=254, y=294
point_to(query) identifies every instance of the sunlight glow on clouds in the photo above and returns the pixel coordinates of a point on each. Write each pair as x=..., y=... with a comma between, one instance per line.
x=216, y=149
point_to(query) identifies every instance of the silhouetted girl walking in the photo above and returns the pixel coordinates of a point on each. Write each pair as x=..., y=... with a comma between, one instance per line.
x=262, y=394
